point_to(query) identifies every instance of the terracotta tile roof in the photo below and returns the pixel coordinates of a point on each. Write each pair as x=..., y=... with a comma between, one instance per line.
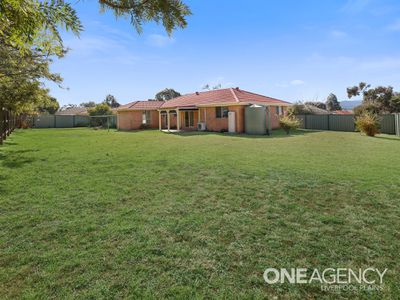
x=222, y=96
x=343, y=112
x=142, y=105
x=127, y=106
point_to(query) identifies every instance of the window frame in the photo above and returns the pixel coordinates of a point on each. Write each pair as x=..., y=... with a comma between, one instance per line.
x=221, y=112
x=146, y=117
x=279, y=110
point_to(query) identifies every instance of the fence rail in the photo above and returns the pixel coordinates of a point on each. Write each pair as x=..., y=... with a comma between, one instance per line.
x=8, y=122
x=390, y=123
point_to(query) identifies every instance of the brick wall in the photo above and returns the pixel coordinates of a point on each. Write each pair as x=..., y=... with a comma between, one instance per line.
x=274, y=119
x=132, y=120
x=239, y=117
x=212, y=123
x=218, y=124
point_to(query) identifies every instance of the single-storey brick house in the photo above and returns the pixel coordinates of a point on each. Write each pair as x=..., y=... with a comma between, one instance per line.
x=138, y=114
x=216, y=110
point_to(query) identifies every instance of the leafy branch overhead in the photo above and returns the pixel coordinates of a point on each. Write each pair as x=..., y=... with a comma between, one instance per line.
x=171, y=13
x=30, y=38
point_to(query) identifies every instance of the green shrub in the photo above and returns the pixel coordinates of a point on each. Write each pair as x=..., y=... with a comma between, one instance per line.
x=368, y=123
x=289, y=122
x=101, y=109
x=366, y=107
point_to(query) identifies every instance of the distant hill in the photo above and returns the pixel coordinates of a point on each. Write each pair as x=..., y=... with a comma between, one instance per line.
x=348, y=104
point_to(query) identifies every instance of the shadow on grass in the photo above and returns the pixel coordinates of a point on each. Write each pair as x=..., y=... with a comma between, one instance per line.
x=389, y=138
x=275, y=134
x=15, y=159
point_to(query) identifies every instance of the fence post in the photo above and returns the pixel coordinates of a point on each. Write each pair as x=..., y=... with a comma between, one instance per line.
x=397, y=124
x=329, y=126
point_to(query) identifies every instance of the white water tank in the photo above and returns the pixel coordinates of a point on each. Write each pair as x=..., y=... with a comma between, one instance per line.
x=231, y=122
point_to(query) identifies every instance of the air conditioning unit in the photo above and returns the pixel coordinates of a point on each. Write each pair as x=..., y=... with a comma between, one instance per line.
x=201, y=126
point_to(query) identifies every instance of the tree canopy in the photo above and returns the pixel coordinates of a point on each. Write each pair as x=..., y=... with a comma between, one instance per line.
x=332, y=103
x=111, y=101
x=88, y=104
x=30, y=39
x=381, y=99
x=167, y=94
x=320, y=105
x=209, y=87
x=51, y=106
x=101, y=109
x=171, y=13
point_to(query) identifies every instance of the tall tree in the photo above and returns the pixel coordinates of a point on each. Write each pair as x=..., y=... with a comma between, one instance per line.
x=88, y=104
x=101, y=109
x=51, y=106
x=30, y=37
x=209, y=87
x=332, y=103
x=167, y=94
x=320, y=105
x=381, y=99
x=111, y=101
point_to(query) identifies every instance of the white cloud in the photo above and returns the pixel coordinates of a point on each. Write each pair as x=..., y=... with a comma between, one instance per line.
x=338, y=33
x=355, y=5
x=297, y=82
x=101, y=49
x=394, y=26
x=158, y=40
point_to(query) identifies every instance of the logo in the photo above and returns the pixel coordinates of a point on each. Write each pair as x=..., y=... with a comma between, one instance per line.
x=330, y=278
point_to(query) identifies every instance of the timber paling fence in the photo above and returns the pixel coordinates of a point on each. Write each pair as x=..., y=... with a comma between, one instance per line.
x=66, y=121
x=390, y=123
x=8, y=122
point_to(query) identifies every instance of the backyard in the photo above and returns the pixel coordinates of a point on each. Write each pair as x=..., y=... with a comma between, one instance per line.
x=102, y=214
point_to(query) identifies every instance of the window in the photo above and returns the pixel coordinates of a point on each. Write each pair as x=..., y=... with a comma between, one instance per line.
x=146, y=117
x=189, y=119
x=278, y=110
x=221, y=112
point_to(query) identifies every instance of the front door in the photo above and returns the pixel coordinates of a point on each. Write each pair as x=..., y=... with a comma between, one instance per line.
x=189, y=119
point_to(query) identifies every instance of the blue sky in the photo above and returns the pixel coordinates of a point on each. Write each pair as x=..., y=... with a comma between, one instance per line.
x=291, y=50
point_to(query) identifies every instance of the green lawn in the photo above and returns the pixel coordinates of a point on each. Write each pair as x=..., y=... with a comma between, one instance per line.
x=97, y=214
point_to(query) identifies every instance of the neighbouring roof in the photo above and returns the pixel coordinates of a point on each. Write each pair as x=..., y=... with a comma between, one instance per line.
x=343, y=112
x=311, y=109
x=141, y=105
x=72, y=111
x=230, y=96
